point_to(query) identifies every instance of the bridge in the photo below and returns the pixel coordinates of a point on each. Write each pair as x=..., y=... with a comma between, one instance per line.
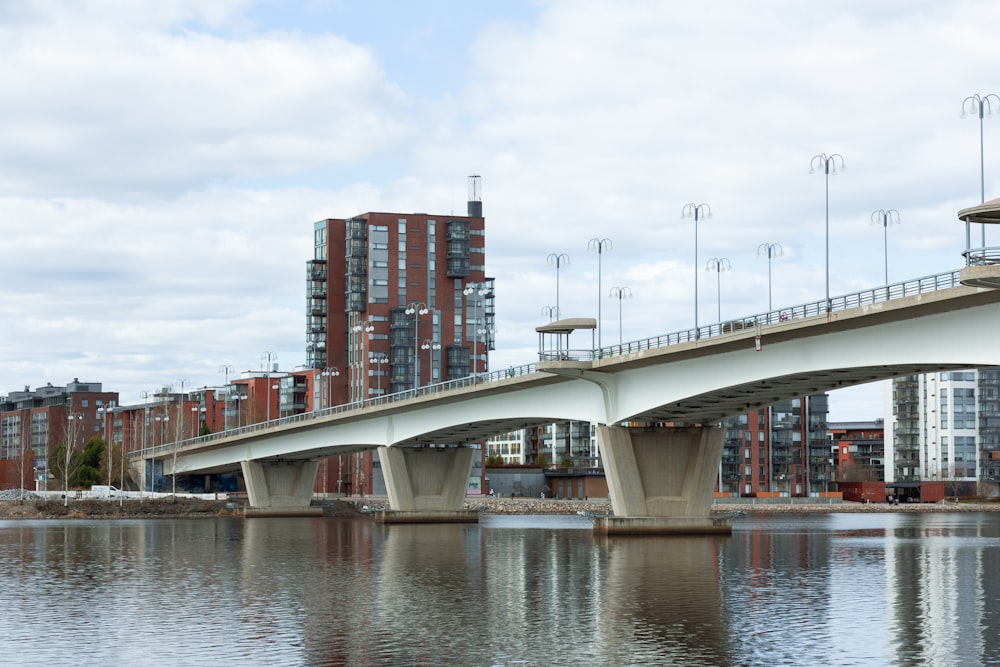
x=657, y=403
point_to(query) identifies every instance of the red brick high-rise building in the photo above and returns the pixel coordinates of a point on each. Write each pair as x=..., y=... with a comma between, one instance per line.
x=397, y=300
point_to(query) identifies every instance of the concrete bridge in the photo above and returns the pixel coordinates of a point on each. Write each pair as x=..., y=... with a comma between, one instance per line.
x=660, y=477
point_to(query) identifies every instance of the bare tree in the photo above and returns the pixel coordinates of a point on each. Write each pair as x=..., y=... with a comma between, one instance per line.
x=66, y=459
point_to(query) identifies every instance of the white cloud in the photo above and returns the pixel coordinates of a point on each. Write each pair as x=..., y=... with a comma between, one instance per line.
x=161, y=165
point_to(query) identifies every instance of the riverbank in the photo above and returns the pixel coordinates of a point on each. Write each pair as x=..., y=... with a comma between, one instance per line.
x=179, y=507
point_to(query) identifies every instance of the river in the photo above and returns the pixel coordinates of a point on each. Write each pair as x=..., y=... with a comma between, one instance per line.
x=795, y=589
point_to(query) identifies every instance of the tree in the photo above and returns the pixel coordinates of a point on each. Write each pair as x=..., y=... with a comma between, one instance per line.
x=88, y=472
x=494, y=460
x=66, y=459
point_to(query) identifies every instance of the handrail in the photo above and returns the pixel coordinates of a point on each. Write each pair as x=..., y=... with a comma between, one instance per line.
x=865, y=297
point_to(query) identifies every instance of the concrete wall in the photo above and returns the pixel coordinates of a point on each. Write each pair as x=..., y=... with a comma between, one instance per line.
x=519, y=481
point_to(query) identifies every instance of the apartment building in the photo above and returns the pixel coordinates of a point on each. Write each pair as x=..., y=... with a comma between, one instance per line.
x=396, y=301
x=33, y=422
x=782, y=449
x=946, y=427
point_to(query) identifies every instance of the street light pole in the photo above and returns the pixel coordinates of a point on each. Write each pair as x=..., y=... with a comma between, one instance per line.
x=558, y=259
x=600, y=245
x=364, y=328
x=71, y=433
x=696, y=211
x=325, y=391
x=476, y=290
x=718, y=264
x=379, y=360
x=270, y=387
x=829, y=163
x=620, y=293
x=428, y=344
x=980, y=105
x=416, y=308
x=769, y=250
x=885, y=217
x=227, y=369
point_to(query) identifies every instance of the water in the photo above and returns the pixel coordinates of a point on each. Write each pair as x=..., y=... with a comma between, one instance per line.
x=836, y=589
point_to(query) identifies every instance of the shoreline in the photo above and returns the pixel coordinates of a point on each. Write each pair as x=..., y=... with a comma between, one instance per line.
x=180, y=508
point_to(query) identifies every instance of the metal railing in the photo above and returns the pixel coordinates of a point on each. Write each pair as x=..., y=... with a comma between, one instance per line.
x=891, y=292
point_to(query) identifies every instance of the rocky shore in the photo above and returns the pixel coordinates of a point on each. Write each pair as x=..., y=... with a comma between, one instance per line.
x=193, y=508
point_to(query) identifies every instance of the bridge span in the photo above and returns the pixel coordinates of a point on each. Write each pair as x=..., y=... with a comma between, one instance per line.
x=660, y=477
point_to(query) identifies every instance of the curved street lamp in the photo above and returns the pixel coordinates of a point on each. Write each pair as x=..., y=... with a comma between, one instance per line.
x=549, y=311
x=980, y=105
x=718, y=264
x=885, y=217
x=620, y=293
x=829, y=165
x=416, y=308
x=696, y=211
x=769, y=250
x=600, y=245
x=558, y=259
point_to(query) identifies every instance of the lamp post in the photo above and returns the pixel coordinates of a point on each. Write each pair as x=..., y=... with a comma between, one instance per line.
x=600, y=245
x=549, y=311
x=379, y=360
x=430, y=345
x=829, y=164
x=558, y=259
x=620, y=293
x=198, y=412
x=696, y=211
x=270, y=388
x=163, y=420
x=325, y=391
x=416, y=308
x=718, y=264
x=227, y=369
x=476, y=291
x=105, y=412
x=885, y=217
x=73, y=427
x=769, y=250
x=238, y=397
x=364, y=329
x=981, y=105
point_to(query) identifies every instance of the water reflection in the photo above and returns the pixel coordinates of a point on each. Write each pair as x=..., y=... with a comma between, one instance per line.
x=826, y=590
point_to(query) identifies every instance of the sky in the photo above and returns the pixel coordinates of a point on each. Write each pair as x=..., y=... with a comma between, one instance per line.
x=162, y=164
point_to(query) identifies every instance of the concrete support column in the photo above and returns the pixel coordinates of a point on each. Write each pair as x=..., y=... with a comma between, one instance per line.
x=661, y=480
x=426, y=484
x=279, y=488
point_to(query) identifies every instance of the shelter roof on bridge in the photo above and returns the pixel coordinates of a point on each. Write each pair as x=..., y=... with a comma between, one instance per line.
x=986, y=213
x=568, y=325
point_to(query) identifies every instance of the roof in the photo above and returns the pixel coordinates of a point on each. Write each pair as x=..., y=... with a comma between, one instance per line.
x=568, y=325
x=985, y=213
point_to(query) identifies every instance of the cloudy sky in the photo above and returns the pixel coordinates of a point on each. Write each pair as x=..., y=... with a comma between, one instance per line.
x=161, y=164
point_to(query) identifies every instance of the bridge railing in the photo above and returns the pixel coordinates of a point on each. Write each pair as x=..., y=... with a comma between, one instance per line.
x=843, y=302
x=864, y=297
x=168, y=449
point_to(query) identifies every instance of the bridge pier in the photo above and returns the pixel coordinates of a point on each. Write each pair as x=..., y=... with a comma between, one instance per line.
x=426, y=484
x=282, y=488
x=661, y=480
